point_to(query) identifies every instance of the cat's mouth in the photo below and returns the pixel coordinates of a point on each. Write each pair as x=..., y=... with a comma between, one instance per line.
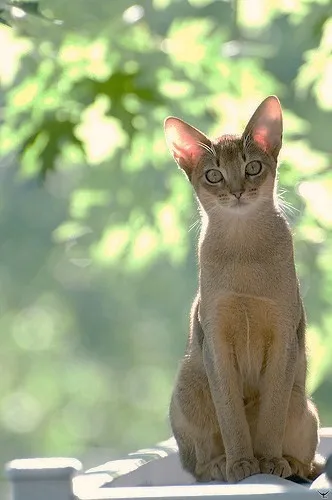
x=239, y=202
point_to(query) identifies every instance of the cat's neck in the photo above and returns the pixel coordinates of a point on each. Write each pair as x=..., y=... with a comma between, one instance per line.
x=237, y=232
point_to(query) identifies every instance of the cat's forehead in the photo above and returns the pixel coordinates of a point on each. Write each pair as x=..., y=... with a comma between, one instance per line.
x=229, y=148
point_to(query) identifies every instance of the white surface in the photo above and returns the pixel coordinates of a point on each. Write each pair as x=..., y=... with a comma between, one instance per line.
x=140, y=470
x=209, y=492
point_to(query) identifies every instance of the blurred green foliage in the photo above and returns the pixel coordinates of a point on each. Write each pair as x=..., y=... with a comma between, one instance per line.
x=97, y=255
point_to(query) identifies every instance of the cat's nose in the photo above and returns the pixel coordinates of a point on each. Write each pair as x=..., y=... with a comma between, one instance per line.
x=238, y=194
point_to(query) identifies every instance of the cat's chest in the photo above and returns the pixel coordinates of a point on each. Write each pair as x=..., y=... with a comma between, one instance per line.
x=240, y=277
x=274, y=280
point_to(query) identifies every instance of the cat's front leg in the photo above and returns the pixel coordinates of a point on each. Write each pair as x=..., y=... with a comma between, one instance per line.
x=275, y=390
x=228, y=403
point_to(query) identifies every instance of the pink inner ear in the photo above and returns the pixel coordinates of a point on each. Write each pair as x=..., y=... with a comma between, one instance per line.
x=190, y=153
x=260, y=137
x=184, y=145
x=261, y=141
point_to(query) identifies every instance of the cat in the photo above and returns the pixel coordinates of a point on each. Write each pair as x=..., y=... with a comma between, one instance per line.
x=239, y=406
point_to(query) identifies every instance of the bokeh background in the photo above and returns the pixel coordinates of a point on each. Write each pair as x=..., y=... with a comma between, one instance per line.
x=99, y=227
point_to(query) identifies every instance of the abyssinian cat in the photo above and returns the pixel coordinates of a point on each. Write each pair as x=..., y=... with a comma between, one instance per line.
x=240, y=406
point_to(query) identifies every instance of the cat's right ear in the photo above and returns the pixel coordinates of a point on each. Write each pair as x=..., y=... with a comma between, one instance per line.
x=186, y=143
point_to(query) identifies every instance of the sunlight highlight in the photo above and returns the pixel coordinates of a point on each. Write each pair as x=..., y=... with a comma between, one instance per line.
x=101, y=134
x=319, y=198
x=133, y=14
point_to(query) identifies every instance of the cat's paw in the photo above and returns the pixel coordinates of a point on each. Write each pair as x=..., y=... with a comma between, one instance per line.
x=213, y=470
x=277, y=466
x=297, y=467
x=241, y=469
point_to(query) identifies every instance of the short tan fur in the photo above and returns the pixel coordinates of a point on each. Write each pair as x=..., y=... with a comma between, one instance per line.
x=239, y=405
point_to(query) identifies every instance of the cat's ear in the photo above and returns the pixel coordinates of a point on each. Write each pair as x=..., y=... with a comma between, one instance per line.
x=265, y=126
x=186, y=143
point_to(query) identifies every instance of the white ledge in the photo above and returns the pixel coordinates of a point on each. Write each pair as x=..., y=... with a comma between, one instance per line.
x=210, y=492
x=42, y=468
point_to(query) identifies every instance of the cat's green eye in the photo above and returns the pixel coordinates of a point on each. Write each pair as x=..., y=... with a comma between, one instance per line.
x=213, y=176
x=253, y=168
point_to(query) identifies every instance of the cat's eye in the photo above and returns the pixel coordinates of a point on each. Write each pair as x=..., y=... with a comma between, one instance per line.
x=213, y=176
x=253, y=168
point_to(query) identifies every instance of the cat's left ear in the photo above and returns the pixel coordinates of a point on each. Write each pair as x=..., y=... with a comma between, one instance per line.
x=265, y=126
x=186, y=143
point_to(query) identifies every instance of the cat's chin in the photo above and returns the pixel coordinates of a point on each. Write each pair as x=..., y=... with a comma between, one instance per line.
x=239, y=208
x=239, y=205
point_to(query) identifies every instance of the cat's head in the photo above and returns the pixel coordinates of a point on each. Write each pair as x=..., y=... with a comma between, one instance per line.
x=232, y=174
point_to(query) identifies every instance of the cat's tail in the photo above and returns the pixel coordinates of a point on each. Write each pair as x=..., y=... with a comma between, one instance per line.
x=317, y=467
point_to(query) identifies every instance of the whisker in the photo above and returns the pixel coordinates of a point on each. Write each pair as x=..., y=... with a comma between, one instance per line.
x=207, y=148
x=213, y=149
x=287, y=209
x=194, y=225
x=289, y=206
x=282, y=210
x=285, y=205
x=247, y=141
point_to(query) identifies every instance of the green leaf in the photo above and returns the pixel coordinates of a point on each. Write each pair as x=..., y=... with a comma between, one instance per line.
x=28, y=7
x=57, y=134
x=33, y=9
x=117, y=87
x=5, y=22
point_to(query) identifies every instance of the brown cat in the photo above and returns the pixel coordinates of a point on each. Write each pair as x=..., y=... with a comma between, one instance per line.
x=239, y=406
